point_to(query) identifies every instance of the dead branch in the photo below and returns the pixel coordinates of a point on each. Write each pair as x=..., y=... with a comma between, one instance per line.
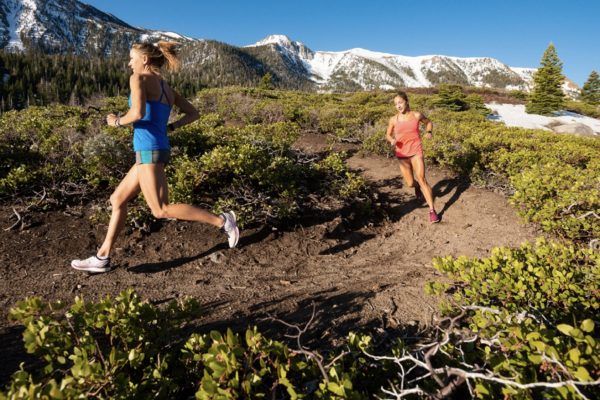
x=301, y=349
x=19, y=221
x=450, y=388
x=522, y=386
x=455, y=376
x=350, y=140
x=589, y=213
x=568, y=209
x=40, y=200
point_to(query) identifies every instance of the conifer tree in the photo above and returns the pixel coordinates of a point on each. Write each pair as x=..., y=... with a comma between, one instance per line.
x=266, y=82
x=547, y=95
x=590, y=93
x=451, y=97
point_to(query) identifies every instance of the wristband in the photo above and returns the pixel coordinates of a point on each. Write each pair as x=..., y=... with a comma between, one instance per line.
x=118, y=122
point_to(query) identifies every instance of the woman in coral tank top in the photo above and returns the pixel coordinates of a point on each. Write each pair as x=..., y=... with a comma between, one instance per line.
x=403, y=134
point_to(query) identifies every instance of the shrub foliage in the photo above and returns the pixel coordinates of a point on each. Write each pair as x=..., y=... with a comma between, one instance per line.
x=519, y=324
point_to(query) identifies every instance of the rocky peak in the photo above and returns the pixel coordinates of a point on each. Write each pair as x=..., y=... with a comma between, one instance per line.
x=286, y=44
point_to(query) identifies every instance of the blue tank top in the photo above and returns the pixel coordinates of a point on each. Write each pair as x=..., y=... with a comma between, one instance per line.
x=150, y=132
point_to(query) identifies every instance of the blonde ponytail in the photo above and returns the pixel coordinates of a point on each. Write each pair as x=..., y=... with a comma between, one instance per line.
x=161, y=54
x=169, y=51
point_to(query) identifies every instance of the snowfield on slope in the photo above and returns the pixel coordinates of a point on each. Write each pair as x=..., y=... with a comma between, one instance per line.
x=515, y=115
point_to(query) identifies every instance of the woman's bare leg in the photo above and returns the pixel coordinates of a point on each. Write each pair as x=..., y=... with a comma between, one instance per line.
x=127, y=190
x=418, y=165
x=406, y=170
x=153, y=183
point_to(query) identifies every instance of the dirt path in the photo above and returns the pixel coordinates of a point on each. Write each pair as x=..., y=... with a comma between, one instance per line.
x=358, y=275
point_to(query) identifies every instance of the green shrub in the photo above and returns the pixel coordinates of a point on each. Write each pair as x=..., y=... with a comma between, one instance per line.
x=553, y=177
x=110, y=349
x=530, y=308
x=451, y=97
x=238, y=153
x=524, y=318
x=127, y=348
x=582, y=108
x=518, y=94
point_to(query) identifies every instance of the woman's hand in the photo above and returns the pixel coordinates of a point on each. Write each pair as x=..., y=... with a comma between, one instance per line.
x=111, y=119
x=427, y=135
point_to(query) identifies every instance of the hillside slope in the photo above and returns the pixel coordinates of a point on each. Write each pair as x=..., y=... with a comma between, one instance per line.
x=361, y=274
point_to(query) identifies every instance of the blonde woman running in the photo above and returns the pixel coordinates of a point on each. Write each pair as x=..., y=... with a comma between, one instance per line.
x=150, y=105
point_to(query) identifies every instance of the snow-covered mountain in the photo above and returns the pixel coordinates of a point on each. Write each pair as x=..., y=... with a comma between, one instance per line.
x=367, y=69
x=72, y=26
x=67, y=25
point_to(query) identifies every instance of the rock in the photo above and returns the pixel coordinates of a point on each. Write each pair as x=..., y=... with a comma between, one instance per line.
x=217, y=257
x=576, y=128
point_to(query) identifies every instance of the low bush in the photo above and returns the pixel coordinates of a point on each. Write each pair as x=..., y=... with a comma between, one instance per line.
x=519, y=324
x=68, y=154
x=532, y=310
x=582, y=108
x=553, y=178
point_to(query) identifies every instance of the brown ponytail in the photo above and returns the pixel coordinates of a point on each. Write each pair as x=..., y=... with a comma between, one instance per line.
x=161, y=54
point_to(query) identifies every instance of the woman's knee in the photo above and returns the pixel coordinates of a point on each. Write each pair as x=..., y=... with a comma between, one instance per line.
x=161, y=212
x=117, y=201
x=422, y=181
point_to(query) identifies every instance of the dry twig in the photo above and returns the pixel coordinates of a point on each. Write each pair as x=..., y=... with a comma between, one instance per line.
x=19, y=221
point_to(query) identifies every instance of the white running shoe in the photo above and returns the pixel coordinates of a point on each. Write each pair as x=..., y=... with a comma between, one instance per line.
x=92, y=264
x=230, y=228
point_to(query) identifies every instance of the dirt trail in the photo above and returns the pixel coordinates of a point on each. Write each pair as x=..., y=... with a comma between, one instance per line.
x=358, y=275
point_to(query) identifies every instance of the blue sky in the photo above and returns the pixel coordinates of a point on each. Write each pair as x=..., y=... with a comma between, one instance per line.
x=515, y=32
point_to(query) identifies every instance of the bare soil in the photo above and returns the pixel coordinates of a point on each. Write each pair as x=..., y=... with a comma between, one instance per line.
x=361, y=274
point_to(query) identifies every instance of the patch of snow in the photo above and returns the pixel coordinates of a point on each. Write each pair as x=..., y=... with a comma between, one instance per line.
x=28, y=19
x=515, y=115
x=154, y=35
x=372, y=55
x=14, y=15
x=281, y=40
x=323, y=64
x=525, y=73
x=175, y=35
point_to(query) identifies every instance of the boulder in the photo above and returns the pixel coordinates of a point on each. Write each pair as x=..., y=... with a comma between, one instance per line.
x=575, y=128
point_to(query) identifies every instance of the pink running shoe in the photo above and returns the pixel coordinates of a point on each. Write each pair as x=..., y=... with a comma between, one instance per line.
x=433, y=217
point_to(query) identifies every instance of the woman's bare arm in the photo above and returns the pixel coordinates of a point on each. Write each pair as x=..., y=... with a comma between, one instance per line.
x=190, y=112
x=138, y=103
x=428, y=125
x=389, y=133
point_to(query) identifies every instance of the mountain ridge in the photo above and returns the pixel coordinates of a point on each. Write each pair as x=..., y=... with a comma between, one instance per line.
x=371, y=70
x=72, y=26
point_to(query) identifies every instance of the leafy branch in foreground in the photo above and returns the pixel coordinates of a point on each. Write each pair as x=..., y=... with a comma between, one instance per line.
x=522, y=324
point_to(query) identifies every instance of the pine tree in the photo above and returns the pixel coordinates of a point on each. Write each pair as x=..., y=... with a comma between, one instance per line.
x=590, y=93
x=266, y=82
x=451, y=97
x=547, y=95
